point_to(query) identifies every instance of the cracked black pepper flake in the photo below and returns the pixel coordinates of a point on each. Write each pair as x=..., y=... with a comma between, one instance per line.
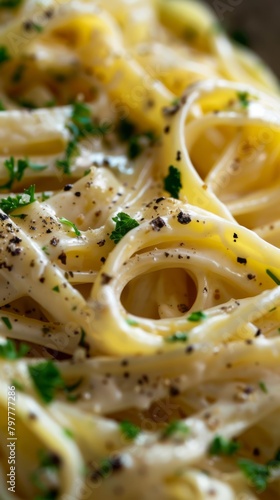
x=241, y=260
x=183, y=218
x=101, y=243
x=251, y=276
x=68, y=187
x=157, y=224
x=178, y=156
x=54, y=242
x=63, y=258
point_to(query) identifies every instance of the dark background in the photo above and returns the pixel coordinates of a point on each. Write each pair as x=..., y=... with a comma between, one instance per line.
x=257, y=22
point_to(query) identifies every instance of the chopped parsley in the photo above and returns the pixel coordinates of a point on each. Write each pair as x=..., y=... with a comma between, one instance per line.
x=263, y=387
x=7, y=322
x=177, y=337
x=71, y=152
x=67, y=222
x=196, y=316
x=124, y=224
x=275, y=462
x=129, y=430
x=47, y=380
x=223, y=446
x=56, y=289
x=68, y=433
x=172, y=182
x=244, y=99
x=175, y=427
x=4, y=54
x=137, y=142
x=11, y=352
x=10, y=4
x=11, y=203
x=273, y=277
x=257, y=474
x=81, y=125
x=131, y=322
x=17, y=169
x=2, y=107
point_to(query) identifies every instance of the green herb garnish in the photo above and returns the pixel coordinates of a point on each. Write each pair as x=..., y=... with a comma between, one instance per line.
x=55, y=289
x=172, y=182
x=263, y=387
x=126, y=132
x=196, y=316
x=81, y=125
x=129, y=430
x=131, y=322
x=4, y=53
x=10, y=4
x=11, y=203
x=257, y=474
x=244, y=99
x=71, y=152
x=2, y=107
x=273, y=277
x=7, y=322
x=67, y=222
x=11, y=352
x=124, y=224
x=16, y=170
x=68, y=433
x=47, y=379
x=175, y=427
x=223, y=446
x=177, y=337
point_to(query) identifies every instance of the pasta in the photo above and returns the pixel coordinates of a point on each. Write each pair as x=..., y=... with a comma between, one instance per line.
x=140, y=255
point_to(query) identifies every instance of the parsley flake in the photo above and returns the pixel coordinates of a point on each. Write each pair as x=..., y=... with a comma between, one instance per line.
x=273, y=277
x=67, y=222
x=137, y=142
x=175, y=427
x=16, y=170
x=263, y=387
x=177, y=337
x=257, y=474
x=4, y=53
x=10, y=4
x=172, y=182
x=47, y=379
x=129, y=430
x=197, y=316
x=131, y=322
x=81, y=125
x=244, y=99
x=11, y=203
x=7, y=322
x=124, y=224
x=223, y=446
x=11, y=352
x=68, y=433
